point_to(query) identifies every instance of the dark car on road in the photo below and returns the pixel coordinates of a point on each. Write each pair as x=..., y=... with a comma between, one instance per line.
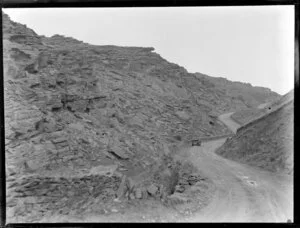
x=196, y=142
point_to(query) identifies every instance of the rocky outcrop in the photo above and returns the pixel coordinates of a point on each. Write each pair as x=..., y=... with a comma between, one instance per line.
x=36, y=196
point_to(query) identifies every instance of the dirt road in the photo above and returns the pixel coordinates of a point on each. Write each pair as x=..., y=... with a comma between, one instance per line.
x=243, y=193
x=230, y=123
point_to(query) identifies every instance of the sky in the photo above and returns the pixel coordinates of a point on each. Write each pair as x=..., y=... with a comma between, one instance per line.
x=253, y=44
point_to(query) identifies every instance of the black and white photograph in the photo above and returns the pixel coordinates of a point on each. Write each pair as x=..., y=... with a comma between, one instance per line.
x=149, y=114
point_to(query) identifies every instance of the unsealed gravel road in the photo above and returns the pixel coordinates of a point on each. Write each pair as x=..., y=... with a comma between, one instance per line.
x=243, y=193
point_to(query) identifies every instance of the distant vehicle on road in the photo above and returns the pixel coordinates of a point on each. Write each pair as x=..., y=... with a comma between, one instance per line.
x=196, y=142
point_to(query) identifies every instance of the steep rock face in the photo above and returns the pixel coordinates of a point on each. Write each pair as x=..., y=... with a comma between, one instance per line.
x=71, y=107
x=98, y=99
x=266, y=142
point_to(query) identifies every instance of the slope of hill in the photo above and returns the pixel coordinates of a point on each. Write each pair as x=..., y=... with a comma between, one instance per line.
x=80, y=118
x=248, y=115
x=266, y=142
x=240, y=95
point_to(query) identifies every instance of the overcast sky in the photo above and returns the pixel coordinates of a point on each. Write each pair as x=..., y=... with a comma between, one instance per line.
x=250, y=44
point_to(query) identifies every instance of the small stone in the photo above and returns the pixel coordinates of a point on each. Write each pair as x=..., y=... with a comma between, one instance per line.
x=152, y=189
x=30, y=200
x=138, y=193
x=11, y=203
x=122, y=187
x=130, y=184
x=144, y=193
x=59, y=140
x=33, y=164
x=163, y=196
x=118, y=152
x=131, y=196
x=183, y=115
x=161, y=189
x=101, y=212
x=179, y=188
x=117, y=200
x=183, y=182
x=114, y=210
x=177, y=198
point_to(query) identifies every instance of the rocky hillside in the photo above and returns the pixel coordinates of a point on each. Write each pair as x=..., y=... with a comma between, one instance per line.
x=77, y=113
x=266, y=142
x=248, y=115
x=240, y=95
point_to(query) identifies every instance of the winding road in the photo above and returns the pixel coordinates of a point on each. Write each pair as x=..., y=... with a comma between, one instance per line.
x=243, y=193
x=230, y=123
